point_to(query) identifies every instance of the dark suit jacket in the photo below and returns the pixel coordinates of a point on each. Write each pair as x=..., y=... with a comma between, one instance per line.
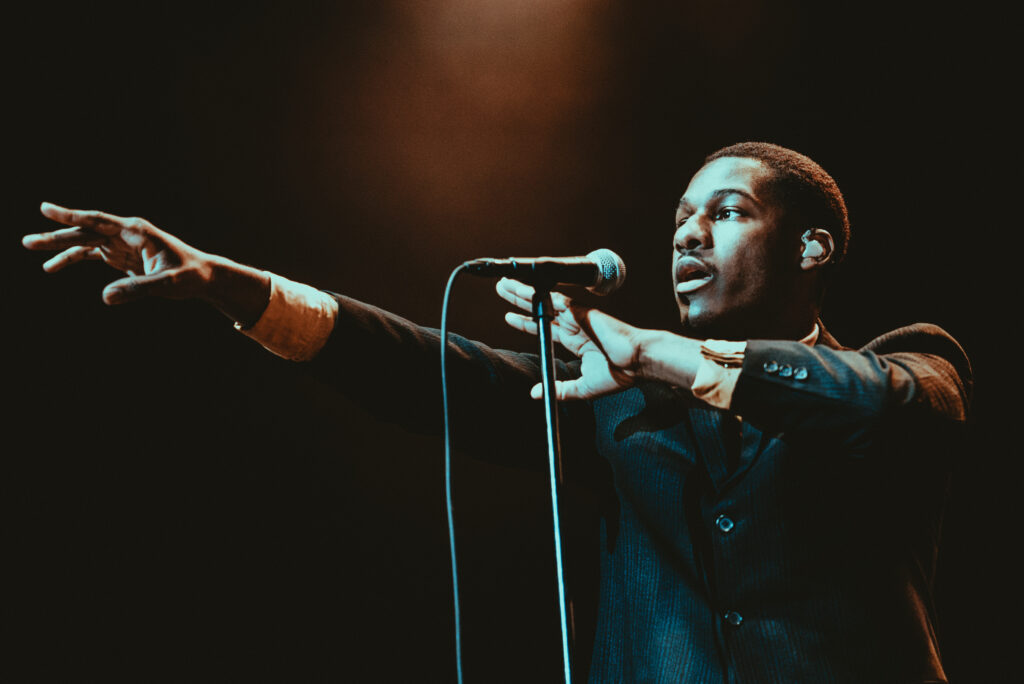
x=792, y=539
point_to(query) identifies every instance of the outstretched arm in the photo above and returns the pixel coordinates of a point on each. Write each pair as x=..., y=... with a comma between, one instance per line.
x=781, y=386
x=386, y=364
x=156, y=263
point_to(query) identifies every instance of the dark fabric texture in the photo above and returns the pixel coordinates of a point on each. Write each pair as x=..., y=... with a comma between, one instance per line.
x=791, y=539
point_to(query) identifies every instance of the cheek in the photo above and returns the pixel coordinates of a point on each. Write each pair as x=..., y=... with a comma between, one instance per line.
x=744, y=264
x=749, y=272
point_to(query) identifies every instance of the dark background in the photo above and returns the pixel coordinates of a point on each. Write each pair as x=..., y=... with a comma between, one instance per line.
x=183, y=505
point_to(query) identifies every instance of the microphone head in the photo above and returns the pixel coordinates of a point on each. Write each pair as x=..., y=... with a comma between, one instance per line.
x=611, y=271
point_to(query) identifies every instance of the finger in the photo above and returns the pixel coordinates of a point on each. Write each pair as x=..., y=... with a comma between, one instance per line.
x=137, y=287
x=62, y=239
x=71, y=256
x=528, y=324
x=566, y=337
x=565, y=390
x=521, y=295
x=515, y=293
x=560, y=301
x=521, y=323
x=101, y=222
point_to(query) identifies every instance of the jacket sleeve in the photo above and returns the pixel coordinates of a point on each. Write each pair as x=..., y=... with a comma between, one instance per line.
x=847, y=397
x=391, y=367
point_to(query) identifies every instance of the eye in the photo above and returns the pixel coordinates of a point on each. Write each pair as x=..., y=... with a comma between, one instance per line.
x=727, y=213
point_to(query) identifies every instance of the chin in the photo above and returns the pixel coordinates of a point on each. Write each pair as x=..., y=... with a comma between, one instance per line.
x=700, y=323
x=695, y=321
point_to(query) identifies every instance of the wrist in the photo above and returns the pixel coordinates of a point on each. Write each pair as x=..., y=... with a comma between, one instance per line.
x=665, y=356
x=240, y=292
x=643, y=342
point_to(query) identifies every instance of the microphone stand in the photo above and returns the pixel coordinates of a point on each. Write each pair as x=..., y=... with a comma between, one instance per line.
x=543, y=314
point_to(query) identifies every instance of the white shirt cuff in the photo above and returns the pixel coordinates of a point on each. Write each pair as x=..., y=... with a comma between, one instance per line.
x=718, y=372
x=297, y=321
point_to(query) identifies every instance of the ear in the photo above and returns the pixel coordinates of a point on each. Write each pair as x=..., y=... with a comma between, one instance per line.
x=818, y=247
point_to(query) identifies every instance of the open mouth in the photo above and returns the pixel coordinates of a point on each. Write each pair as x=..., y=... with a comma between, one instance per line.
x=691, y=274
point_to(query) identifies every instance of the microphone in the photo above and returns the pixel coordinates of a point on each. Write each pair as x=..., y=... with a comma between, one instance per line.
x=602, y=271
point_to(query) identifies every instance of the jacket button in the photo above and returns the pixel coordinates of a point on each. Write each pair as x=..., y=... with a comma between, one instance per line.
x=724, y=524
x=785, y=371
x=770, y=367
x=800, y=373
x=733, y=618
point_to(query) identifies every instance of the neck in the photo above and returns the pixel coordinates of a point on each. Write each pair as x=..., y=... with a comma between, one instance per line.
x=788, y=325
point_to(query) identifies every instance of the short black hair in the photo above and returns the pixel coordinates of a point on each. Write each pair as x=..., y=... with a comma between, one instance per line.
x=803, y=188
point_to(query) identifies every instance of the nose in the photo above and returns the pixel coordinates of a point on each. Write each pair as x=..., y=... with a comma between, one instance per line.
x=692, y=235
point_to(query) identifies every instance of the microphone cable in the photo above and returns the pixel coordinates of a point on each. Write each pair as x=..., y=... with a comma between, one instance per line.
x=448, y=468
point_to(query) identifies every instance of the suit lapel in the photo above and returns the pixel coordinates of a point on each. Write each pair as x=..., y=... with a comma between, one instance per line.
x=707, y=423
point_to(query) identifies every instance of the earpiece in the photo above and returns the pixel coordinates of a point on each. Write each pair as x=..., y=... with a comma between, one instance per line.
x=815, y=248
x=812, y=250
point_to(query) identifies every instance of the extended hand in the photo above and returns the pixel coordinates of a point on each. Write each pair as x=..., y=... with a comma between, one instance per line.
x=607, y=348
x=157, y=263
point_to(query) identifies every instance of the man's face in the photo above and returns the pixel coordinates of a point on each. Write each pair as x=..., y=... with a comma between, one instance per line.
x=735, y=272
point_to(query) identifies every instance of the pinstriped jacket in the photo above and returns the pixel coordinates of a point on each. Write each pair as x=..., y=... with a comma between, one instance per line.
x=790, y=539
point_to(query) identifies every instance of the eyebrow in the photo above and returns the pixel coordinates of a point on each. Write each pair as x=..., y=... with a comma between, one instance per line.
x=722, y=192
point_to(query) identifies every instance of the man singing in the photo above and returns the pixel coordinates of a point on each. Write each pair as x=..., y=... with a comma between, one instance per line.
x=773, y=498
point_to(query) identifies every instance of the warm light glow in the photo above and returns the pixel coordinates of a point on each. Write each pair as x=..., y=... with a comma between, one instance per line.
x=463, y=108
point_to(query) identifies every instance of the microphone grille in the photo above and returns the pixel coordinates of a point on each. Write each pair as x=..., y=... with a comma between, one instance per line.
x=611, y=271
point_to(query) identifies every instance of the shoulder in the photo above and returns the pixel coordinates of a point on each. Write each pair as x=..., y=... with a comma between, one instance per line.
x=921, y=338
x=935, y=359
x=925, y=339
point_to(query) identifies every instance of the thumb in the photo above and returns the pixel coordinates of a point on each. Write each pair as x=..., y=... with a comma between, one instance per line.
x=137, y=287
x=564, y=390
